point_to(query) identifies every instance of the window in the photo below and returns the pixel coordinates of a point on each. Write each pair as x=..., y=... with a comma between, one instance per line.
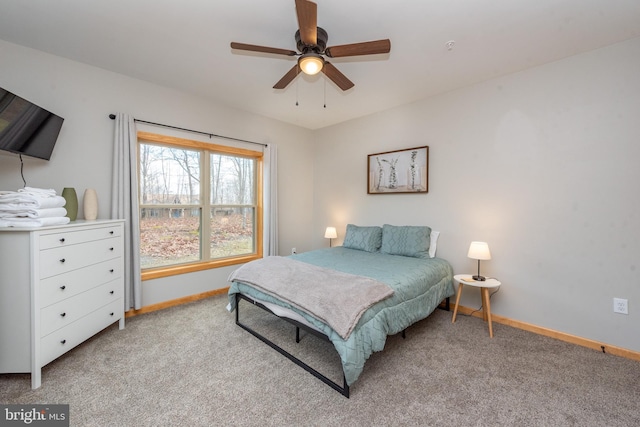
x=200, y=205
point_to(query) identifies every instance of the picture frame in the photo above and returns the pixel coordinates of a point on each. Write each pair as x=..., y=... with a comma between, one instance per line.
x=400, y=171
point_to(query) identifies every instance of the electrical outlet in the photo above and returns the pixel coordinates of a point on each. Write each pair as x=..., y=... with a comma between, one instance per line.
x=621, y=306
x=293, y=251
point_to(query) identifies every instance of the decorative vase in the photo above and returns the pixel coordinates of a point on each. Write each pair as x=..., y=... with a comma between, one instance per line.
x=90, y=204
x=416, y=178
x=393, y=178
x=379, y=180
x=71, y=204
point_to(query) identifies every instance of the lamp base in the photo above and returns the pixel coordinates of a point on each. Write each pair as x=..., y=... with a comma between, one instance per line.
x=479, y=278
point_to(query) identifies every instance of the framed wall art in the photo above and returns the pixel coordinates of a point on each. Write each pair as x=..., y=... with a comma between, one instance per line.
x=401, y=171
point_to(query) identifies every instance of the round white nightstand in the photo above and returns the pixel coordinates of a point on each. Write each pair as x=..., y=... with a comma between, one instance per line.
x=485, y=285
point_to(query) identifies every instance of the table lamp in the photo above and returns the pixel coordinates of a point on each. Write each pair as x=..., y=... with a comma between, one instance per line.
x=330, y=233
x=479, y=251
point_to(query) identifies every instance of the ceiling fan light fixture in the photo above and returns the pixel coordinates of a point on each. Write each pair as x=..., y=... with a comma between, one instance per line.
x=311, y=63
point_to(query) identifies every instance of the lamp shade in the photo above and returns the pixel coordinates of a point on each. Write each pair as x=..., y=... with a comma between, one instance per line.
x=311, y=63
x=330, y=233
x=479, y=251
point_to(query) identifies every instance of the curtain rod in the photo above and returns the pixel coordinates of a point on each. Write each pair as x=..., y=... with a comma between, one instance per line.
x=113, y=117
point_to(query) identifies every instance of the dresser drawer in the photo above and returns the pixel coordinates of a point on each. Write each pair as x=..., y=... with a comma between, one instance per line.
x=69, y=310
x=63, y=340
x=61, y=260
x=66, y=285
x=73, y=237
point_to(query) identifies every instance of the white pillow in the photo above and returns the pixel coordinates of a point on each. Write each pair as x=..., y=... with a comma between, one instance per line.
x=433, y=241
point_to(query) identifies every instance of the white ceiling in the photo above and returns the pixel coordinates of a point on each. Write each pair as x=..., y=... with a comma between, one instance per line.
x=184, y=44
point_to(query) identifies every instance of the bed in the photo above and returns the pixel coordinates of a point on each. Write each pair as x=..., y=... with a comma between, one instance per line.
x=400, y=258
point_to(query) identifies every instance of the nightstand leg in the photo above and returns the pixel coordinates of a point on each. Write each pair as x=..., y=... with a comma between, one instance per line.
x=487, y=309
x=455, y=309
x=484, y=303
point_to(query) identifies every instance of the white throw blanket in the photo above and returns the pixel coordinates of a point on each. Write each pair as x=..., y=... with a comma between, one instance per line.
x=31, y=213
x=32, y=207
x=335, y=298
x=33, y=222
x=41, y=192
x=33, y=200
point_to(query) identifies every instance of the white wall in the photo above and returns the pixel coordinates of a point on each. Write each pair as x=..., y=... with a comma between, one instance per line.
x=85, y=96
x=542, y=164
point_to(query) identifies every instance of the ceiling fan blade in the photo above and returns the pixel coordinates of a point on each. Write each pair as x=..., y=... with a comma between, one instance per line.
x=264, y=49
x=287, y=78
x=336, y=76
x=355, y=49
x=307, y=12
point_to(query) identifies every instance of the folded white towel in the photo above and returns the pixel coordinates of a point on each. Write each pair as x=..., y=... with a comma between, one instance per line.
x=42, y=192
x=15, y=200
x=33, y=222
x=32, y=213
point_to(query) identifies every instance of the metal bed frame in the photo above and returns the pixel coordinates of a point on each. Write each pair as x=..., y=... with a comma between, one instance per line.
x=342, y=389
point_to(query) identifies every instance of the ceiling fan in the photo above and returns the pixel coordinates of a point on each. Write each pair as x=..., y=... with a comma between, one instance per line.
x=311, y=42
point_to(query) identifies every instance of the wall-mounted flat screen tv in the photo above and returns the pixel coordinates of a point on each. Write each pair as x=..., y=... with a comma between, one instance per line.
x=26, y=128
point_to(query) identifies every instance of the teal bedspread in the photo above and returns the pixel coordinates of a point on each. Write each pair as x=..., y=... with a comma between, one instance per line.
x=419, y=286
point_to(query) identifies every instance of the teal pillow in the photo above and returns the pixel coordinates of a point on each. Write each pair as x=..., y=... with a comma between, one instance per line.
x=363, y=238
x=406, y=240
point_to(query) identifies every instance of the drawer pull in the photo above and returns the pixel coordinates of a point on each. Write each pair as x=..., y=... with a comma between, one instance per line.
x=111, y=271
x=63, y=287
x=111, y=314
x=111, y=292
x=110, y=249
x=63, y=342
x=63, y=314
x=62, y=240
x=62, y=260
x=111, y=232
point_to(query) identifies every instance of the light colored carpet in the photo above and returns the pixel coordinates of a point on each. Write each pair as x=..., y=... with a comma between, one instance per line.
x=192, y=366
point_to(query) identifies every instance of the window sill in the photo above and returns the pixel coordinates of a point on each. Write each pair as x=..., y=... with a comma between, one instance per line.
x=156, y=273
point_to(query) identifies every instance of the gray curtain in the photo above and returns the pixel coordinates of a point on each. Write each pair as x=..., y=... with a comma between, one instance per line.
x=270, y=235
x=124, y=204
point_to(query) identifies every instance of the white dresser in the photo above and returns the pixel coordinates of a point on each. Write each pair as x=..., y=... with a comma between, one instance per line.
x=58, y=287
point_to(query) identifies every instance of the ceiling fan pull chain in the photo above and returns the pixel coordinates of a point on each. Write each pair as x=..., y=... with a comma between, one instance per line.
x=325, y=93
